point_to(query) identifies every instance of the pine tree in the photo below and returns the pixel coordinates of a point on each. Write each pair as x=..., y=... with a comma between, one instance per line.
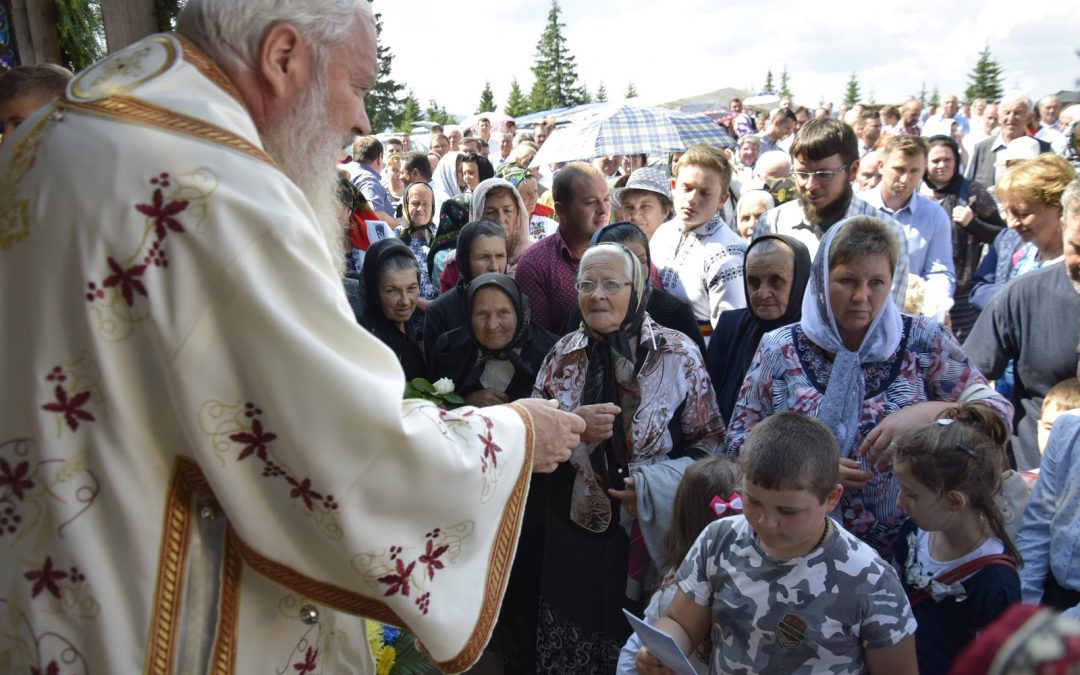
x=384, y=102
x=437, y=114
x=516, y=103
x=601, y=94
x=80, y=30
x=852, y=94
x=768, y=88
x=785, y=86
x=410, y=112
x=922, y=95
x=487, y=99
x=631, y=91
x=985, y=78
x=555, y=70
x=935, y=97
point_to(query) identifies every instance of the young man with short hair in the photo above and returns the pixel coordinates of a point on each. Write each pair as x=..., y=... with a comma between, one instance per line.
x=699, y=256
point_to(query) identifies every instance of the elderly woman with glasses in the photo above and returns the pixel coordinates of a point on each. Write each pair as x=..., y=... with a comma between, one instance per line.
x=864, y=369
x=647, y=400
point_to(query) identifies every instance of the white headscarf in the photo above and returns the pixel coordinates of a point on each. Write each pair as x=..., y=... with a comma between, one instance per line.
x=517, y=241
x=842, y=403
x=444, y=181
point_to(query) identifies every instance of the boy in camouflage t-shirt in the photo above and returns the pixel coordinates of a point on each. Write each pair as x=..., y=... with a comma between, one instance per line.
x=783, y=589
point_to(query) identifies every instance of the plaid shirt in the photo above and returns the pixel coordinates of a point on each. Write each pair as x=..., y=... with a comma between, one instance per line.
x=546, y=274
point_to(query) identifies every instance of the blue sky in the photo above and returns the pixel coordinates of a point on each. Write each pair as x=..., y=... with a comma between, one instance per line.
x=680, y=48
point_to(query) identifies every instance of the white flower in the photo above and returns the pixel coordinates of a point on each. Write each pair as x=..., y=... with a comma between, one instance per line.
x=444, y=386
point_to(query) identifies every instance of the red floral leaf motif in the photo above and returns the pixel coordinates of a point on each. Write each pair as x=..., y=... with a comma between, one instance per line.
x=128, y=280
x=431, y=558
x=163, y=213
x=17, y=480
x=308, y=665
x=45, y=579
x=71, y=408
x=491, y=449
x=302, y=490
x=51, y=669
x=400, y=581
x=256, y=442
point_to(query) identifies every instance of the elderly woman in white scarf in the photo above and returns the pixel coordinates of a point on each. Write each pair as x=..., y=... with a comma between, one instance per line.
x=446, y=180
x=498, y=200
x=861, y=367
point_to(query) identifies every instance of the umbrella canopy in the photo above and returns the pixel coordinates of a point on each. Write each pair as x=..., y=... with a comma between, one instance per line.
x=628, y=130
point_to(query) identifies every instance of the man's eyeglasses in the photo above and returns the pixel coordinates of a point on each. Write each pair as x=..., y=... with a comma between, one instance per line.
x=821, y=176
x=608, y=286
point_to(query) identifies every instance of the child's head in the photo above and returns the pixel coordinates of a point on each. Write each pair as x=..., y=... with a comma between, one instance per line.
x=947, y=467
x=1062, y=396
x=983, y=419
x=788, y=451
x=703, y=480
x=791, y=479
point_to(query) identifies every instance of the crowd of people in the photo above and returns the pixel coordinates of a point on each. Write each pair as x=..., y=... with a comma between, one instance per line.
x=807, y=403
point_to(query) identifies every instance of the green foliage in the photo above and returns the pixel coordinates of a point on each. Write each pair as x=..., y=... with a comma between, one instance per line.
x=785, y=86
x=487, y=99
x=852, y=93
x=383, y=102
x=922, y=95
x=555, y=70
x=631, y=91
x=985, y=79
x=80, y=31
x=601, y=94
x=516, y=103
x=935, y=97
x=410, y=112
x=436, y=113
x=768, y=88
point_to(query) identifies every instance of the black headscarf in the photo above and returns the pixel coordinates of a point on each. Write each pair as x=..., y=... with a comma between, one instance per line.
x=465, y=239
x=953, y=186
x=406, y=345
x=425, y=231
x=738, y=332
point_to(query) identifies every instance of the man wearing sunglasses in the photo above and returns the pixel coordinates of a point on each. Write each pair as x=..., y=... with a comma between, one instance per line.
x=825, y=161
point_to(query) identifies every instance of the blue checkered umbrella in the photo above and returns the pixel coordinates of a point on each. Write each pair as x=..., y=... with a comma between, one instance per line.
x=628, y=130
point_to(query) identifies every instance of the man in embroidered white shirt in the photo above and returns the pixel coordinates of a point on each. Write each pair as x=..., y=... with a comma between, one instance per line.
x=698, y=254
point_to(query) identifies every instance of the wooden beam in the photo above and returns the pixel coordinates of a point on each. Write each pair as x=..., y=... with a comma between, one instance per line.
x=35, y=30
x=127, y=21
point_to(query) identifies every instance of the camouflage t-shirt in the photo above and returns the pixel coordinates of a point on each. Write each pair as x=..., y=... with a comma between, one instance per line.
x=813, y=614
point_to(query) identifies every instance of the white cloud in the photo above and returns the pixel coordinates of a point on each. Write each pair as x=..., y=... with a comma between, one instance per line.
x=680, y=48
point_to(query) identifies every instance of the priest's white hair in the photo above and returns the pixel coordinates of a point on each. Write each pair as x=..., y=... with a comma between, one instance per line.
x=231, y=31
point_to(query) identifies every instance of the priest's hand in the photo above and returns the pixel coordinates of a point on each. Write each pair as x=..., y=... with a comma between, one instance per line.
x=599, y=421
x=555, y=433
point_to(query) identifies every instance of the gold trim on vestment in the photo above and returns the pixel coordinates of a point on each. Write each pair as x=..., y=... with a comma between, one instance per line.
x=165, y=613
x=138, y=111
x=223, y=661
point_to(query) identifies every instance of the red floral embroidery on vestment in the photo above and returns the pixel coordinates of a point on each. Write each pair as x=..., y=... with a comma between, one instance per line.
x=491, y=450
x=398, y=582
x=308, y=665
x=431, y=558
x=256, y=443
x=127, y=275
x=51, y=669
x=70, y=408
x=45, y=579
x=16, y=479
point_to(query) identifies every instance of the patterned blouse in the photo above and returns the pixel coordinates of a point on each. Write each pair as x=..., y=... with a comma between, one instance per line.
x=789, y=372
x=674, y=376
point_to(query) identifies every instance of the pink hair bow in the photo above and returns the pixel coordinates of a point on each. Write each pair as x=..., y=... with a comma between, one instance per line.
x=721, y=507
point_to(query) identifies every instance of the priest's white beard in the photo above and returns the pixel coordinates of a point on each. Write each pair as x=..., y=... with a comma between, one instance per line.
x=305, y=146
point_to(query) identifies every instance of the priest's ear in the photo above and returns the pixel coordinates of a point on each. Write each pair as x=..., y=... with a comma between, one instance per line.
x=285, y=66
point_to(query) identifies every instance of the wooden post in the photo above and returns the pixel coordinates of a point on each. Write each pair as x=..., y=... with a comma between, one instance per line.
x=127, y=21
x=35, y=29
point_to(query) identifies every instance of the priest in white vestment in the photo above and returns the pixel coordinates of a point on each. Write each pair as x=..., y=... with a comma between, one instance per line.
x=205, y=465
